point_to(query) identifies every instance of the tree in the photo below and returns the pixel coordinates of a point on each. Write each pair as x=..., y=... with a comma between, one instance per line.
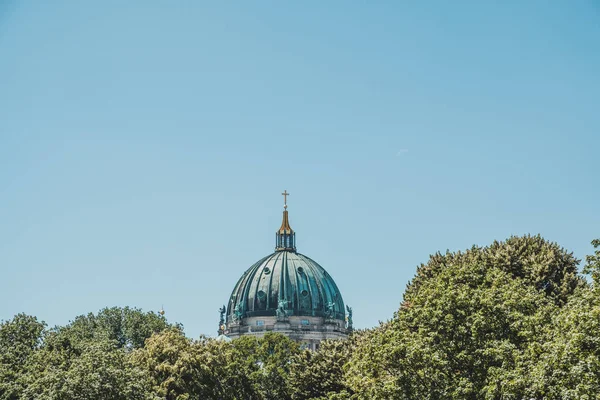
x=248, y=368
x=174, y=367
x=568, y=367
x=268, y=359
x=128, y=327
x=539, y=263
x=100, y=370
x=592, y=266
x=318, y=375
x=89, y=357
x=19, y=338
x=181, y=368
x=512, y=320
x=469, y=324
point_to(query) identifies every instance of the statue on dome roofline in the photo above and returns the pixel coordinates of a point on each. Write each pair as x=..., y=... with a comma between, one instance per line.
x=330, y=312
x=222, y=311
x=282, y=309
x=349, y=317
x=238, y=312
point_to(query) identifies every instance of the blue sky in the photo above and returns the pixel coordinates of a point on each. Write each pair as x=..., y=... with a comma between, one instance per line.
x=144, y=145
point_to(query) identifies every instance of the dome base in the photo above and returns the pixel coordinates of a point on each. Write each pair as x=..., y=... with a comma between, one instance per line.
x=306, y=330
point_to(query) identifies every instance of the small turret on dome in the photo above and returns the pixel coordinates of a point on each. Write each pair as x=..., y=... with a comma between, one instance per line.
x=285, y=228
x=285, y=236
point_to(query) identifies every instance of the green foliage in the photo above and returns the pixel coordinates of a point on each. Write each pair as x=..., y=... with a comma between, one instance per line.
x=512, y=320
x=19, y=339
x=592, y=265
x=175, y=366
x=272, y=354
x=127, y=327
x=101, y=370
x=319, y=375
x=247, y=368
x=537, y=262
x=469, y=325
x=88, y=358
x=568, y=367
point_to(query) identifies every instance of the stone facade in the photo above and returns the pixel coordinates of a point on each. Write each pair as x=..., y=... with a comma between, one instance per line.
x=308, y=331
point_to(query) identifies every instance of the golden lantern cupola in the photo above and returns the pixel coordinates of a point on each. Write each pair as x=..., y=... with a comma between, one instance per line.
x=285, y=237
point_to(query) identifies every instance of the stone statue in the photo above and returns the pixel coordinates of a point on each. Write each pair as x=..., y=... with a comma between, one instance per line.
x=330, y=313
x=349, y=318
x=222, y=311
x=282, y=309
x=238, y=312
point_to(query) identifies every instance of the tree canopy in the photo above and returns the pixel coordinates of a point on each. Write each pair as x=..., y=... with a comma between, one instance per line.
x=512, y=320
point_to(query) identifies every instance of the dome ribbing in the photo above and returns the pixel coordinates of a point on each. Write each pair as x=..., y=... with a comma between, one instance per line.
x=291, y=277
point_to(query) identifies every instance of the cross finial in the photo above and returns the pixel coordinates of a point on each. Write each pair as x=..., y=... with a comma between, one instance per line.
x=285, y=194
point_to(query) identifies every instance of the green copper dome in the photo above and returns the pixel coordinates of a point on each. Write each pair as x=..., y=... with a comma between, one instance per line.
x=285, y=283
x=302, y=284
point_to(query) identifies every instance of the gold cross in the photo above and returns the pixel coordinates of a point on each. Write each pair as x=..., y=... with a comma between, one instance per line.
x=285, y=194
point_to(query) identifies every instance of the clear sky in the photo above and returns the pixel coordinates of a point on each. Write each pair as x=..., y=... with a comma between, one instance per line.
x=144, y=144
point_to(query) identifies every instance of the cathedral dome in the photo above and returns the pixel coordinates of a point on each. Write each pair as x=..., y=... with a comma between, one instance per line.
x=285, y=285
x=304, y=287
